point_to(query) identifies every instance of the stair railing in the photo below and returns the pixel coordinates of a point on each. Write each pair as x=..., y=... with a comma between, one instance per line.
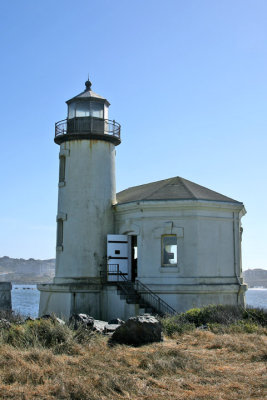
x=146, y=294
x=153, y=299
x=114, y=272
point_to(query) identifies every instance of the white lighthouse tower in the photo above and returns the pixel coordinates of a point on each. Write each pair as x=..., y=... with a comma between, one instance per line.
x=86, y=194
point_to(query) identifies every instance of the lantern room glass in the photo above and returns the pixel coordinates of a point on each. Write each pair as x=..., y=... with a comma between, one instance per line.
x=86, y=109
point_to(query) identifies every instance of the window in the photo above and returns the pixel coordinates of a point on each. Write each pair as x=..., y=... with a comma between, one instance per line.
x=86, y=109
x=96, y=109
x=59, y=232
x=82, y=110
x=169, y=250
x=62, y=164
x=71, y=109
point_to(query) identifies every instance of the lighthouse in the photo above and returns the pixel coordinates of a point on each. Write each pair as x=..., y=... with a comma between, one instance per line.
x=163, y=247
x=86, y=194
x=87, y=188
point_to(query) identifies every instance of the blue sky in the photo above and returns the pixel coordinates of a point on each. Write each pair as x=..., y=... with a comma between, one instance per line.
x=186, y=80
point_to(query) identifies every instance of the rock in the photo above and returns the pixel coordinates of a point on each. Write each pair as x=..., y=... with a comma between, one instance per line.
x=4, y=324
x=60, y=321
x=29, y=319
x=110, y=328
x=99, y=326
x=83, y=320
x=203, y=327
x=138, y=330
x=46, y=316
x=49, y=316
x=116, y=321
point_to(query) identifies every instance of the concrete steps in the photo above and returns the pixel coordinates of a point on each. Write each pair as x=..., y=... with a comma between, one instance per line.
x=127, y=291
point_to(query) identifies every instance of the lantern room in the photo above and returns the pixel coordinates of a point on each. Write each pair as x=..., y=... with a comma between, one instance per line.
x=88, y=104
x=87, y=119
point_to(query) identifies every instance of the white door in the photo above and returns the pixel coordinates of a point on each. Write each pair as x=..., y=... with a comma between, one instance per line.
x=118, y=257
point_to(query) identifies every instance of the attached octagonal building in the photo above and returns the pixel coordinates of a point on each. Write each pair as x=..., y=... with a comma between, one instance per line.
x=188, y=242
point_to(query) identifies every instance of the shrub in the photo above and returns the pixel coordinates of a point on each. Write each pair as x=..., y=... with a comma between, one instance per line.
x=41, y=333
x=238, y=327
x=258, y=315
x=221, y=314
x=245, y=327
x=82, y=335
x=11, y=316
x=218, y=319
x=173, y=326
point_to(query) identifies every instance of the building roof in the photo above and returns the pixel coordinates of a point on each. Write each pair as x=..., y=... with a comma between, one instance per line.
x=176, y=188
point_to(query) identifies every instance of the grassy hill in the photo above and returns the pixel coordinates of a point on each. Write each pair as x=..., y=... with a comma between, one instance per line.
x=255, y=277
x=44, y=360
x=19, y=270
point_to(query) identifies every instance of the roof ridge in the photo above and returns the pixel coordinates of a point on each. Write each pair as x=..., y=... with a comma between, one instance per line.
x=174, y=188
x=208, y=189
x=184, y=184
x=144, y=184
x=158, y=188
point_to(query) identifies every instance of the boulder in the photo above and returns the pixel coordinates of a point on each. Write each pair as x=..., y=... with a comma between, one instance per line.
x=82, y=320
x=99, y=326
x=110, y=328
x=116, y=321
x=138, y=331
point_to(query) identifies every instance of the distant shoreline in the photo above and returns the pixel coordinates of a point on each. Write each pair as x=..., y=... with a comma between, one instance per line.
x=20, y=271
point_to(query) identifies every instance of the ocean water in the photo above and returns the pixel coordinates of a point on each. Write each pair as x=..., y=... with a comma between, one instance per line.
x=25, y=299
x=257, y=297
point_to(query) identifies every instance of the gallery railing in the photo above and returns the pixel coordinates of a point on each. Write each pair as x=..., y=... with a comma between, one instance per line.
x=87, y=125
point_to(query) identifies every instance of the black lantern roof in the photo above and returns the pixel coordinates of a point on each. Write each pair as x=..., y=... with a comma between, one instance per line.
x=88, y=94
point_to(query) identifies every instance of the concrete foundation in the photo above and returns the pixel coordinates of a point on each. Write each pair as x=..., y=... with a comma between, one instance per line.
x=100, y=301
x=104, y=302
x=5, y=296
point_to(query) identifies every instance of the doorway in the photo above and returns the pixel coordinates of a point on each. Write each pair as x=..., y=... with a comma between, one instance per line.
x=134, y=257
x=122, y=256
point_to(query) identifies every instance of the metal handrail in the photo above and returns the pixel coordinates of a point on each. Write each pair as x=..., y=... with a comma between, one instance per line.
x=160, y=305
x=146, y=294
x=113, y=270
x=87, y=125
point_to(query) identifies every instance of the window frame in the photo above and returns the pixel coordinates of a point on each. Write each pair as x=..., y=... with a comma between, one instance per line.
x=62, y=169
x=164, y=265
x=60, y=235
x=89, y=108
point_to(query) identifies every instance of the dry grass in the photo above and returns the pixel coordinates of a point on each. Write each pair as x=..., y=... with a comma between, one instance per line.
x=193, y=366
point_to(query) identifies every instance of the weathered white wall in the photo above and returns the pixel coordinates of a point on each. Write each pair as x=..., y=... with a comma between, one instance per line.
x=84, y=203
x=5, y=295
x=54, y=301
x=208, y=269
x=101, y=302
x=70, y=298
